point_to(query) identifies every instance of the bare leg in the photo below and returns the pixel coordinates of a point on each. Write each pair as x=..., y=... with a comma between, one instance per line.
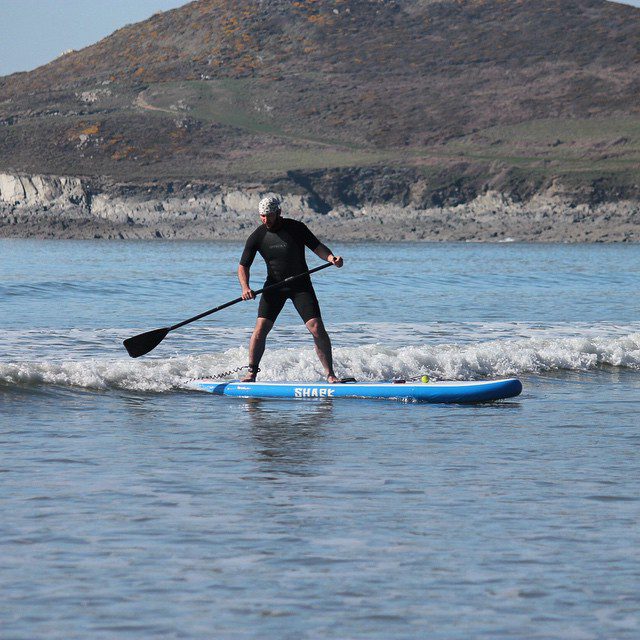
x=323, y=346
x=256, y=346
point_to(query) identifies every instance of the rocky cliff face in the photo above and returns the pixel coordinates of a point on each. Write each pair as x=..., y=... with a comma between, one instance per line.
x=42, y=191
x=70, y=207
x=32, y=195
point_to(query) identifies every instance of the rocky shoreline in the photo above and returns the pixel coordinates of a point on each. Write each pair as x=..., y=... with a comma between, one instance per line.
x=66, y=208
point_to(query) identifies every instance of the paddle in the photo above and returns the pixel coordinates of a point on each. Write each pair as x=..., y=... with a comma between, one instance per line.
x=143, y=343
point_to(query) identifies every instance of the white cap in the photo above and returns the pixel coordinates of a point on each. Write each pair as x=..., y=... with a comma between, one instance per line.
x=268, y=205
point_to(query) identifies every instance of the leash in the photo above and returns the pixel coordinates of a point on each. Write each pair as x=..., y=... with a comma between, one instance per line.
x=225, y=374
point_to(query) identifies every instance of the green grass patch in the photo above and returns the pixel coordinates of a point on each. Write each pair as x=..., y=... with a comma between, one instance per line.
x=232, y=102
x=566, y=145
x=280, y=161
x=550, y=130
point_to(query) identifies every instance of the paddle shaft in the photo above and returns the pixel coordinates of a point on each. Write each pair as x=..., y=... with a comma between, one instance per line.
x=232, y=302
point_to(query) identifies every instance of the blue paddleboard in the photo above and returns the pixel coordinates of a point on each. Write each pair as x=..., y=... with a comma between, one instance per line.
x=455, y=392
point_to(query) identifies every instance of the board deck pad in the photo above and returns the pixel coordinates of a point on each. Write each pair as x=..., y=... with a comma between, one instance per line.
x=447, y=392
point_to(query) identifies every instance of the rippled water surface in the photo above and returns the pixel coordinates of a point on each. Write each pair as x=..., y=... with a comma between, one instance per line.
x=133, y=508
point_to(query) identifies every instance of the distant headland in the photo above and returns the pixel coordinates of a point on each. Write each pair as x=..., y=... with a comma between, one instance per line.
x=413, y=119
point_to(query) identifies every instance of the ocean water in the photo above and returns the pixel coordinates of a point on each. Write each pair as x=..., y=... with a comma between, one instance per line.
x=135, y=508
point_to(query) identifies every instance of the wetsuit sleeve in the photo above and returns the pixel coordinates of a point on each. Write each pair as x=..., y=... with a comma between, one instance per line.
x=250, y=249
x=307, y=236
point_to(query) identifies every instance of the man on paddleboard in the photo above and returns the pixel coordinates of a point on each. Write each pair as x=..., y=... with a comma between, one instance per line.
x=281, y=242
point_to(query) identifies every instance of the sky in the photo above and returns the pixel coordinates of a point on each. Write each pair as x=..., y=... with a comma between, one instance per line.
x=34, y=32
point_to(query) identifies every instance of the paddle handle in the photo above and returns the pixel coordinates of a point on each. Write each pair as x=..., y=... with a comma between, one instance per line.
x=259, y=291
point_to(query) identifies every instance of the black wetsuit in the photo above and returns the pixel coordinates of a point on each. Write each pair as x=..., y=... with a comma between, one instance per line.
x=283, y=251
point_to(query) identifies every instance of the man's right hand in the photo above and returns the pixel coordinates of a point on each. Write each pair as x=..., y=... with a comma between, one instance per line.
x=248, y=294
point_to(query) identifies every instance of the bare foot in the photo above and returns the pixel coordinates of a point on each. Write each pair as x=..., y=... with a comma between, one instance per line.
x=332, y=379
x=251, y=376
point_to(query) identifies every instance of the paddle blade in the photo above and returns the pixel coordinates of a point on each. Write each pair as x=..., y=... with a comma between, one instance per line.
x=145, y=342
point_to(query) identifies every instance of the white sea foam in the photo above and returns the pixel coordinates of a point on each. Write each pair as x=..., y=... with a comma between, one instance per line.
x=448, y=361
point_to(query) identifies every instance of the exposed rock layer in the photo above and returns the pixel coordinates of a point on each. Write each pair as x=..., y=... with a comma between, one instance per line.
x=68, y=207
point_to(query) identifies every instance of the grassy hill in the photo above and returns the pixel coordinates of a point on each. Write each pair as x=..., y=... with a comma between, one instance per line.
x=459, y=94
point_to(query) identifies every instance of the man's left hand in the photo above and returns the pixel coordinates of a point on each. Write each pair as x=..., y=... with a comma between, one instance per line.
x=335, y=260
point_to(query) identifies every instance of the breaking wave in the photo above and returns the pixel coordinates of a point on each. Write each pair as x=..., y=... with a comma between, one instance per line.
x=444, y=361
